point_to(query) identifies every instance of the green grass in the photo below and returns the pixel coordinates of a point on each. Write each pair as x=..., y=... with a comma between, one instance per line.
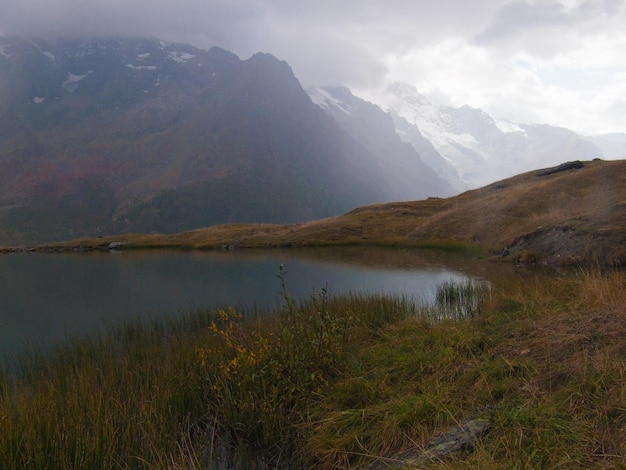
x=337, y=382
x=456, y=300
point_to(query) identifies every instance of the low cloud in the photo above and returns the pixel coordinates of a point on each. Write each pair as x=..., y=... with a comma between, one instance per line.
x=483, y=53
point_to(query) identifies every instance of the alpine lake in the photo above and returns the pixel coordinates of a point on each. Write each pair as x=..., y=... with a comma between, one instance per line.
x=45, y=299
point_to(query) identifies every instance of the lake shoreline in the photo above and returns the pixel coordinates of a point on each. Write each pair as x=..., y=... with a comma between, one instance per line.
x=49, y=295
x=370, y=382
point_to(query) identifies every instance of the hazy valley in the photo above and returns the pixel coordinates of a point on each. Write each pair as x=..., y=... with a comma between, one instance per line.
x=138, y=135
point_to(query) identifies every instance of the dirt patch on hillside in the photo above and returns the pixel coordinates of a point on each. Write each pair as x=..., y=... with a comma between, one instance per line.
x=564, y=245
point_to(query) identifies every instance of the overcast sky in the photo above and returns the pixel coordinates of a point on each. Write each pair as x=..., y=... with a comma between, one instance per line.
x=560, y=62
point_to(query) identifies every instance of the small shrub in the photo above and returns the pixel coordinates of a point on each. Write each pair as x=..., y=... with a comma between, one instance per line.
x=263, y=376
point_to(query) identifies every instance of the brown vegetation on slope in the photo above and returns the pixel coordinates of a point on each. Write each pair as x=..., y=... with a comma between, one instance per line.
x=567, y=217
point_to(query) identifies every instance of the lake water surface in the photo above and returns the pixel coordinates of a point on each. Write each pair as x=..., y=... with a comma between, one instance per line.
x=45, y=298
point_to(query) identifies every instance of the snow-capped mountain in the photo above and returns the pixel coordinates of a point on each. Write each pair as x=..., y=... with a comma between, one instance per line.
x=398, y=164
x=481, y=148
x=444, y=168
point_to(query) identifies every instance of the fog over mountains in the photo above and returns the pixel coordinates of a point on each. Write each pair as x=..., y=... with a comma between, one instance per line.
x=469, y=148
x=403, y=164
x=121, y=135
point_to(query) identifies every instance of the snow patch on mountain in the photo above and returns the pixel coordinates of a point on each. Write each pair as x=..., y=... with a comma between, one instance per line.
x=180, y=57
x=141, y=67
x=508, y=126
x=71, y=82
x=47, y=54
x=327, y=101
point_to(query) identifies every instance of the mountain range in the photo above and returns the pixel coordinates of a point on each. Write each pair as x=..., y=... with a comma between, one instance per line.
x=130, y=135
x=140, y=135
x=469, y=148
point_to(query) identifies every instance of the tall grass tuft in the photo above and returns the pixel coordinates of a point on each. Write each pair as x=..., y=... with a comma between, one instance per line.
x=458, y=300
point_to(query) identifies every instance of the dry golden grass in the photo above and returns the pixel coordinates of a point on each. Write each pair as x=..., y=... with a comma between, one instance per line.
x=571, y=217
x=544, y=362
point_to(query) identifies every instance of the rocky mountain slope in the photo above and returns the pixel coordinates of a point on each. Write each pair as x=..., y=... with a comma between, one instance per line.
x=120, y=135
x=398, y=163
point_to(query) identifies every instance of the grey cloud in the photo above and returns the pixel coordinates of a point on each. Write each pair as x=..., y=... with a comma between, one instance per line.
x=317, y=38
x=538, y=29
x=547, y=28
x=520, y=17
x=138, y=17
x=346, y=42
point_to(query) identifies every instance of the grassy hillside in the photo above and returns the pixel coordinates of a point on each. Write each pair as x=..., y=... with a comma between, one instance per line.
x=565, y=218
